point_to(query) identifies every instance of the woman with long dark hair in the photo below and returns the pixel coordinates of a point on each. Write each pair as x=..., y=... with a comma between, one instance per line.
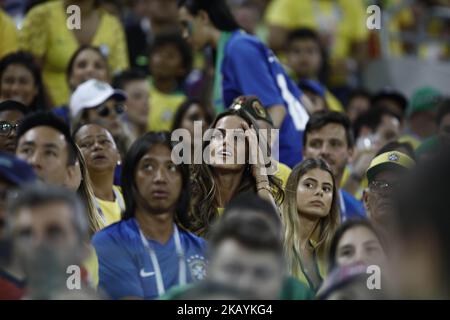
x=20, y=80
x=223, y=176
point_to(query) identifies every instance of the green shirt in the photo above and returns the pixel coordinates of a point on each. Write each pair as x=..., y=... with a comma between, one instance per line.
x=292, y=290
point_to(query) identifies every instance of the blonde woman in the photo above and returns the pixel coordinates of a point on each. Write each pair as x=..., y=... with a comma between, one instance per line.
x=310, y=217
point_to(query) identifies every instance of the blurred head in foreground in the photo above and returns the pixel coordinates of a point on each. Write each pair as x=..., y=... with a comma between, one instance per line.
x=246, y=249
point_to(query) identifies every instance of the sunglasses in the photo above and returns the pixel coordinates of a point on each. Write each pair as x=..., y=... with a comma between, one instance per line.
x=7, y=127
x=104, y=111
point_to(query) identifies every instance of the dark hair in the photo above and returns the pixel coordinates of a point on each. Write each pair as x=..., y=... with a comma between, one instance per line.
x=82, y=48
x=218, y=12
x=391, y=94
x=397, y=146
x=26, y=60
x=372, y=119
x=424, y=206
x=184, y=107
x=40, y=194
x=320, y=119
x=304, y=34
x=255, y=234
x=129, y=189
x=251, y=202
x=48, y=119
x=443, y=110
x=182, y=46
x=11, y=105
x=341, y=230
x=359, y=92
x=121, y=79
x=206, y=190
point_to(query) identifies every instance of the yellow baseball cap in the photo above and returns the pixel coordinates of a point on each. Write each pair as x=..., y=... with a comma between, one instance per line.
x=389, y=160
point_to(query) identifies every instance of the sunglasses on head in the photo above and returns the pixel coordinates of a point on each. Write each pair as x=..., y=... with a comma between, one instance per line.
x=6, y=127
x=104, y=111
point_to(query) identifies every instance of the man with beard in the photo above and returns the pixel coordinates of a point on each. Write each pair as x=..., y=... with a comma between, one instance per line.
x=328, y=135
x=383, y=175
x=150, y=251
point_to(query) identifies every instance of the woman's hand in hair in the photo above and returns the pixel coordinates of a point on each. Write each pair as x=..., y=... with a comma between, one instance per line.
x=257, y=157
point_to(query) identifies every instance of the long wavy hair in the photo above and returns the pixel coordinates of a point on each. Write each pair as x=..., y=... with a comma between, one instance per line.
x=205, y=187
x=291, y=220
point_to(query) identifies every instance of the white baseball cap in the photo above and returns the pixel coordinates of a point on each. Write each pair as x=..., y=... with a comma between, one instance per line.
x=92, y=93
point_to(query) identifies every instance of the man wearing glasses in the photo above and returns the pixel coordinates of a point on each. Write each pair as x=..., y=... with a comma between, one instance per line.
x=383, y=175
x=11, y=113
x=97, y=102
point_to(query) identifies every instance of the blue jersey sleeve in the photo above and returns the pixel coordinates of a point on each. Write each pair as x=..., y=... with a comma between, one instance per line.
x=118, y=275
x=251, y=72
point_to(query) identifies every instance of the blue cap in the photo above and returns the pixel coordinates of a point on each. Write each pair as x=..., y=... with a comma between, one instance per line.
x=312, y=85
x=15, y=171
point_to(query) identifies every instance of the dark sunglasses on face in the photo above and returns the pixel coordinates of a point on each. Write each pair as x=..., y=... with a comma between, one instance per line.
x=6, y=127
x=103, y=110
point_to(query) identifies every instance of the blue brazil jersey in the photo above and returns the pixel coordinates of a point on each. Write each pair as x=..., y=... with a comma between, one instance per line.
x=350, y=206
x=125, y=267
x=250, y=68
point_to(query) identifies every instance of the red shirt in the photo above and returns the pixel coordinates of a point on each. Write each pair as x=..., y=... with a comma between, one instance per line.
x=11, y=288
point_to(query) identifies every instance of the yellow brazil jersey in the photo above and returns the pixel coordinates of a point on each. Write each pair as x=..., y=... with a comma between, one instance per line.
x=162, y=108
x=8, y=35
x=346, y=17
x=333, y=103
x=46, y=35
x=111, y=210
x=283, y=172
x=91, y=266
x=363, y=185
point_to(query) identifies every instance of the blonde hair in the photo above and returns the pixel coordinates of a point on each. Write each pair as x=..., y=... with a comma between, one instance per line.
x=291, y=220
x=86, y=194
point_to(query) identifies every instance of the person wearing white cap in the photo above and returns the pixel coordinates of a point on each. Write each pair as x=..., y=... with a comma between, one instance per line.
x=97, y=102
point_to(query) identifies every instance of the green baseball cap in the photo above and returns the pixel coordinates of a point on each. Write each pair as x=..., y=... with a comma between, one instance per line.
x=423, y=99
x=253, y=106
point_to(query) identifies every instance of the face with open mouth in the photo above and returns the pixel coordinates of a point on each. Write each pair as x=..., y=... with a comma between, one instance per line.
x=228, y=146
x=98, y=148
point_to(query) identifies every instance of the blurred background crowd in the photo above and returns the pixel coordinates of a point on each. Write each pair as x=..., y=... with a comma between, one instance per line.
x=361, y=167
